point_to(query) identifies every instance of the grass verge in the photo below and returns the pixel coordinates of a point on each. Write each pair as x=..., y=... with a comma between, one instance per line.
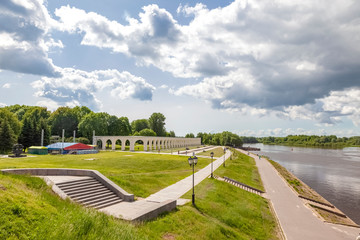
x=218, y=152
x=139, y=173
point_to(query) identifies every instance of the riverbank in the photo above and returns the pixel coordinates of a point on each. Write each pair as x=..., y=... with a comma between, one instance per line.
x=322, y=207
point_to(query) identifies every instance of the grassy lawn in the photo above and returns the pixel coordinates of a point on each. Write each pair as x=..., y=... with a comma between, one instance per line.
x=139, y=173
x=179, y=149
x=218, y=152
x=241, y=168
x=29, y=210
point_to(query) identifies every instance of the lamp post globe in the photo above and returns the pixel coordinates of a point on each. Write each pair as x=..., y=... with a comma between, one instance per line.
x=192, y=162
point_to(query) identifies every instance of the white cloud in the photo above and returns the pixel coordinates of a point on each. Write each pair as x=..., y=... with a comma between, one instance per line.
x=2, y=104
x=280, y=132
x=6, y=85
x=77, y=87
x=24, y=39
x=259, y=57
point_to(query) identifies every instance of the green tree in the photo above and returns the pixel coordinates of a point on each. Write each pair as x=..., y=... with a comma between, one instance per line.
x=157, y=124
x=34, y=121
x=64, y=118
x=147, y=132
x=94, y=121
x=190, y=135
x=171, y=134
x=125, y=129
x=139, y=124
x=7, y=136
x=12, y=120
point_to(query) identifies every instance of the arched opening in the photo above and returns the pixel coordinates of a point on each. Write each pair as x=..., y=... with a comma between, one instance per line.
x=127, y=145
x=108, y=144
x=161, y=144
x=139, y=145
x=99, y=144
x=118, y=144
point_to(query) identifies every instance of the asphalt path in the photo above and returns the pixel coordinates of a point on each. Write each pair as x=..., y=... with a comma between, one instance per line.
x=297, y=220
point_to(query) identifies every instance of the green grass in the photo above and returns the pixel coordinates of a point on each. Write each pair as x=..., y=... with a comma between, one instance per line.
x=241, y=168
x=29, y=210
x=218, y=152
x=139, y=173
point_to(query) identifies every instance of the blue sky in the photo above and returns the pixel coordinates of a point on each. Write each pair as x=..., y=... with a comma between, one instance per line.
x=255, y=68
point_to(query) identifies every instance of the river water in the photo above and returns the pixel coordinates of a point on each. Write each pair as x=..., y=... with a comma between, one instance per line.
x=333, y=173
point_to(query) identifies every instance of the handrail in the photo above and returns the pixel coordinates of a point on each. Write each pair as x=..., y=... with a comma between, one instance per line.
x=243, y=184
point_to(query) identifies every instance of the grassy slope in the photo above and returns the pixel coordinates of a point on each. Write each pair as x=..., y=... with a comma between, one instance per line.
x=243, y=169
x=218, y=152
x=29, y=210
x=138, y=173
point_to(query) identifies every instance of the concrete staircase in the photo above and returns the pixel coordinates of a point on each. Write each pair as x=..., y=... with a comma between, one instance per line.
x=90, y=193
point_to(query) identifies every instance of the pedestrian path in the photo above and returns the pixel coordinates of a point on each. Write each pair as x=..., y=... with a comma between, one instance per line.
x=296, y=219
x=178, y=189
x=132, y=210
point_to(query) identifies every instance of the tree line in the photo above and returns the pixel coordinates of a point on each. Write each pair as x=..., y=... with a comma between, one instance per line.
x=312, y=141
x=24, y=124
x=224, y=138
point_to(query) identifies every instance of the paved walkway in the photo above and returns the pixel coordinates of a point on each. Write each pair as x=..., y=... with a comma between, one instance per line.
x=129, y=210
x=296, y=219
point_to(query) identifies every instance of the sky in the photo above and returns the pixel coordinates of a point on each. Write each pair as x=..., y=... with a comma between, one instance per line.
x=255, y=68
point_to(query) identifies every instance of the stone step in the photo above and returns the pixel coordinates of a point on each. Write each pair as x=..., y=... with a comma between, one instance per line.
x=70, y=192
x=75, y=181
x=100, y=199
x=108, y=204
x=94, y=197
x=81, y=186
x=105, y=203
x=92, y=193
x=90, y=181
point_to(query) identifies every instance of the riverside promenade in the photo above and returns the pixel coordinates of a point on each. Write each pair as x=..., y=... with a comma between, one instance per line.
x=297, y=221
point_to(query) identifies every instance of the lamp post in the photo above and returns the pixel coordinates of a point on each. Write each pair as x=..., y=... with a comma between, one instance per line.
x=212, y=155
x=224, y=156
x=193, y=162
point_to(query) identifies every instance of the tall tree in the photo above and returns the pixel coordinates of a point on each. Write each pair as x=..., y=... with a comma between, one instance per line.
x=11, y=120
x=94, y=121
x=157, y=123
x=34, y=121
x=125, y=126
x=7, y=134
x=64, y=118
x=190, y=135
x=139, y=124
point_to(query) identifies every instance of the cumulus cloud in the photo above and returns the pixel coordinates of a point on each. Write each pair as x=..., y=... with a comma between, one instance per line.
x=24, y=40
x=287, y=57
x=77, y=87
x=6, y=85
x=281, y=132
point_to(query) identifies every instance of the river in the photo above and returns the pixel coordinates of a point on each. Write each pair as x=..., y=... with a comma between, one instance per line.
x=333, y=173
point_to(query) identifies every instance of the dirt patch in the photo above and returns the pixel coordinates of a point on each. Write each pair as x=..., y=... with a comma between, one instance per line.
x=2, y=187
x=168, y=236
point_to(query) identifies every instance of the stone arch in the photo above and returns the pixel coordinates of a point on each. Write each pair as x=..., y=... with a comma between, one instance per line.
x=118, y=142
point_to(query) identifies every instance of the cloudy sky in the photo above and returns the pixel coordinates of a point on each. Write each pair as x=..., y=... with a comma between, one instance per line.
x=270, y=67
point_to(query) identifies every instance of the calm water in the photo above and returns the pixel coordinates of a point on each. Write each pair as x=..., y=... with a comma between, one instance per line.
x=334, y=173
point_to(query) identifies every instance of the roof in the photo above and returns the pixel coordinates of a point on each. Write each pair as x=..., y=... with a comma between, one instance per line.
x=37, y=147
x=78, y=146
x=59, y=145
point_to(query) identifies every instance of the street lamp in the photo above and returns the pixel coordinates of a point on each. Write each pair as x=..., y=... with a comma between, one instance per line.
x=193, y=162
x=224, y=155
x=212, y=155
